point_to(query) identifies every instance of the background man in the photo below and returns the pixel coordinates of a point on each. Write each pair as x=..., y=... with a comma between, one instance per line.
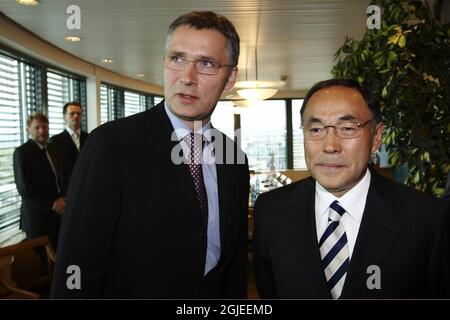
x=137, y=224
x=71, y=140
x=348, y=232
x=40, y=180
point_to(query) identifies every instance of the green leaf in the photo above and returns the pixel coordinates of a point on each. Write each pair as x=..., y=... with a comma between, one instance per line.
x=392, y=56
x=416, y=178
x=402, y=41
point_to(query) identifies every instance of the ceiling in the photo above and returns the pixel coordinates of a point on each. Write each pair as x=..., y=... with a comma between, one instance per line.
x=297, y=38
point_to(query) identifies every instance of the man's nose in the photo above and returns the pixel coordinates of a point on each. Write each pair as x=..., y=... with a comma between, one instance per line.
x=331, y=141
x=189, y=75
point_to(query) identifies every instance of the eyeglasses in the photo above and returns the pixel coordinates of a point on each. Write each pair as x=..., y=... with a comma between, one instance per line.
x=72, y=114
x=344, y=130
x=202, y=66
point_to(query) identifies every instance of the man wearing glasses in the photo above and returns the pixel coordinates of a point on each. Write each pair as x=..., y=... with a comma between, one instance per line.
x=72, y=139
x=348, y=232
x=140, y=224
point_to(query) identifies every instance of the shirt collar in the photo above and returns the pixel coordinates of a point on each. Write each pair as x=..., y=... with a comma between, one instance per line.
x=353, y=201
x=72, y=131
x=40, y=145
x=181, y=129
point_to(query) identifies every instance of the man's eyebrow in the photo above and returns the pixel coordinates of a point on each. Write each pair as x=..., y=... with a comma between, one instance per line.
x=314, y=120
x=207, y=58
x=176, y=53
x=347, y=117
x=183, y=55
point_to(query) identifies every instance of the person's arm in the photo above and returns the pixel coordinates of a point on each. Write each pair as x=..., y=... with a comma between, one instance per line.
x=23, y=177
x=236, y=282
x=261, y=259
x=90, y=217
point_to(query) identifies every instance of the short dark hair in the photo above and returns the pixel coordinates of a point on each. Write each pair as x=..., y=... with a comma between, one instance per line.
x=210, y=20
x=72, y=103
x=368, y=96
x=36, y=116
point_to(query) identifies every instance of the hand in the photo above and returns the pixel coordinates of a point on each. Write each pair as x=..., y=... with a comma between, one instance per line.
x=58, y=205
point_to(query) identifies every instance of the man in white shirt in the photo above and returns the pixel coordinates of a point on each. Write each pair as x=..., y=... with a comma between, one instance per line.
x=348, y=232
x=140, y=224
x=72, y=139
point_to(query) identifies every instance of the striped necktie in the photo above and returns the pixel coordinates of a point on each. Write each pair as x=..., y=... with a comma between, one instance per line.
x=334, y=251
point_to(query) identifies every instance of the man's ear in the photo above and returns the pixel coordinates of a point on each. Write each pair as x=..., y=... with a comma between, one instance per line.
x=231, y=79
x=377, y=137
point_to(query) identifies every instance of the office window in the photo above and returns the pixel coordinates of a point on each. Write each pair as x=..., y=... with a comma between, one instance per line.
x=157, y=99
x=117, y=102
x=223, y=118
x=22, y=92
x=132, y=103
x=297, y=136
x=12, y=98
x=263, y=131
x=62, y=88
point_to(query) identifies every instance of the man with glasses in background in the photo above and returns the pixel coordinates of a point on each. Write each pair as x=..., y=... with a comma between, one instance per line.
x=72, y=139
x=41, y=182
x=348, y=232
x=138, y=224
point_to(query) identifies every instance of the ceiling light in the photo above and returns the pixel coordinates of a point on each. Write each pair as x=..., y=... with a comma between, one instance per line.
x=28, y=2
x=257, y=93
x=140, y=75
x=257, y=90
x=242, y=103
x=73, y=38
x=107, y=60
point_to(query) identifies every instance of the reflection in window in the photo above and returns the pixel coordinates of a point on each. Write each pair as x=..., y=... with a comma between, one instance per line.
x=297, y=136
x=263, y=131
x=223, y=118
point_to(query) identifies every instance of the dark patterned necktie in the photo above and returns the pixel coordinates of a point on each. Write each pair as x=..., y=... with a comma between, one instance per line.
x=49, y=159
x=195, y=166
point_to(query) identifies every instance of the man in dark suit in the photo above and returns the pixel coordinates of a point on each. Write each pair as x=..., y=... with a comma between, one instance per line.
x=140, y=224
x=72, y=139
x=40, y=180
x=348, y=232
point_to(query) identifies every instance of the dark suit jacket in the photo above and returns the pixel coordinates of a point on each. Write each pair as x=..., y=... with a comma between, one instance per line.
x=403, y=231
x=68, y=149
x=36, y=184
x=133, y=224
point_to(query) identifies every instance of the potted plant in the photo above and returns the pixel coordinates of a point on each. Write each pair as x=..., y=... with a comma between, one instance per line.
x=406, y=62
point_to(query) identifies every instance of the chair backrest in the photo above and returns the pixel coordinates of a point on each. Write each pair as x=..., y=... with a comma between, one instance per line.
x=30, y=263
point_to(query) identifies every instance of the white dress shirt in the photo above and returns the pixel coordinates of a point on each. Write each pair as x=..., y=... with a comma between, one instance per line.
x=354, y=202
x=75, y=136
x=210, y=178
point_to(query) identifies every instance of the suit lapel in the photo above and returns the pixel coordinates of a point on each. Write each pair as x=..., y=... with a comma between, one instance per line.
x=41, y=155
x=301, y=223
x=223, y=185
x=377, y=234
x=70, y=142
x=160, y=142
